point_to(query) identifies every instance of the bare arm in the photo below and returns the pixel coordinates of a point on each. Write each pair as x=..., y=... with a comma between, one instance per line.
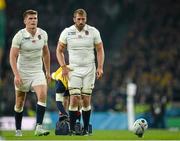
x=61, y=59
x=14, y=52
x=46, y=61
x=100, y=59
x=60, y=54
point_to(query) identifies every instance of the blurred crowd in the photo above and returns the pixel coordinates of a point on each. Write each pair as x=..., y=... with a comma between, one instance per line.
x=148, y=55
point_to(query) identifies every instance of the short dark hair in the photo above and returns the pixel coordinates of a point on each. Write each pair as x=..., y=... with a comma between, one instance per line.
x=29, y=12
x=80, y=12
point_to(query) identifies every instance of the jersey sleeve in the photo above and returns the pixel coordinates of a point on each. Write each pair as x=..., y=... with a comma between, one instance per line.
x=16, y=41
x=45, y=38
x=97, y=36
x=63, y=36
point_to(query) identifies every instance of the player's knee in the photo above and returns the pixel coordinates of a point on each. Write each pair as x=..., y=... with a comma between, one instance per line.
x=73, y=108
x=59, y=97
x=42, y=98
x=86, y=102
x=86, y=98
x=42, y=103
x=87, y=91
x=75, y=100
x=74, y=91
x=86, y=108
x=18, y=109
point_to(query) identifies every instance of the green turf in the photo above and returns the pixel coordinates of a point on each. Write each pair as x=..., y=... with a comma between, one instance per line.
x=98, y=135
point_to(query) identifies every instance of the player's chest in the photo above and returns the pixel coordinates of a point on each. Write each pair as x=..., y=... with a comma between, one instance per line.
x=80, y=38
x=31, y=43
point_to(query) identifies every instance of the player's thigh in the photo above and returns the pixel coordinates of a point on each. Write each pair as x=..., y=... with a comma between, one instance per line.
x=38, y=79
x=74, y=82
x=25, y=86
x=39, y=85
x=88, y=85
x=20, y=99
x=41, y=92
x=88, y=81
x=75, y=85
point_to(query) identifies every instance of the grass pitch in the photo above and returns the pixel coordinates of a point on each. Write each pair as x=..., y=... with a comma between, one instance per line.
x=98, y=135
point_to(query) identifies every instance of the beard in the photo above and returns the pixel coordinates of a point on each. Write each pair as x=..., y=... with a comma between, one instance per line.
x=80, y=26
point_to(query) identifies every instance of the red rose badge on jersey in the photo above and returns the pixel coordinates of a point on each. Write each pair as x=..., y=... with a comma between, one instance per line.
x=87, y=32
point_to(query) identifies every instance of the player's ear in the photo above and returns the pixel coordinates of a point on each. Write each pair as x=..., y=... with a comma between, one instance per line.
x=25, y=21
x=74, y=19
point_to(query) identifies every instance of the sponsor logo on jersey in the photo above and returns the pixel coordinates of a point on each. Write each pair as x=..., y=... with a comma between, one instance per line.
x=71, y=33
x=26, y=38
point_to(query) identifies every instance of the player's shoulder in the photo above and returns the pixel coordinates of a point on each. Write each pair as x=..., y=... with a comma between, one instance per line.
x=90, y=28
x=41, y=31
x=70, y=28
x=18, y=37
x=19, y=33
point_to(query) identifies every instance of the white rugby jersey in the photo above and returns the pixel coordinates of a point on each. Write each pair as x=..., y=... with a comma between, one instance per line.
x=30, y=50
x=80, y=44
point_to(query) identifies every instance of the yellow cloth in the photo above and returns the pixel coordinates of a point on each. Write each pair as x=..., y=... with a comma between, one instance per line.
x=57, y=75
x=2, y=4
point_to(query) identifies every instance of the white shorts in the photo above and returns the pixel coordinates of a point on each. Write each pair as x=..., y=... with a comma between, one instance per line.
x=30, y=81
x=82, y=78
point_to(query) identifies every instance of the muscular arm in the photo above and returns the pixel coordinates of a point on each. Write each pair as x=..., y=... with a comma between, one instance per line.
x=14, y=52
x=46, y=60
x=61, y=59
x=100, y=59
x=60, y=54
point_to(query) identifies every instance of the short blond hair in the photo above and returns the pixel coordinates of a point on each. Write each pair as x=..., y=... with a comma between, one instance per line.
x=29, y=12
x=80, y=12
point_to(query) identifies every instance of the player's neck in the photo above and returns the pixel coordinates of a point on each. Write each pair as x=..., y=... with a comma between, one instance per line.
x=79, y=28
x=32, y=31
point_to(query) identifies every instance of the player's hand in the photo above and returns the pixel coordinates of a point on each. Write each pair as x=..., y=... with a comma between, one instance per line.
x=18, y=81
x=48, y=77
x=65, y=72
x=99, y=73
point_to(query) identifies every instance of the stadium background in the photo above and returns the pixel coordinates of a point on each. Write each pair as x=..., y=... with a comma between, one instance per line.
x=142, y=45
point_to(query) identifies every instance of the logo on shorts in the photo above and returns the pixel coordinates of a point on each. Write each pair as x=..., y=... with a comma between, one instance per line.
x=71, y=33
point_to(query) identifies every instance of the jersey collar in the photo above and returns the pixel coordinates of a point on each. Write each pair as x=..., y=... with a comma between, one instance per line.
x=84, y=29
x=28, y=35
